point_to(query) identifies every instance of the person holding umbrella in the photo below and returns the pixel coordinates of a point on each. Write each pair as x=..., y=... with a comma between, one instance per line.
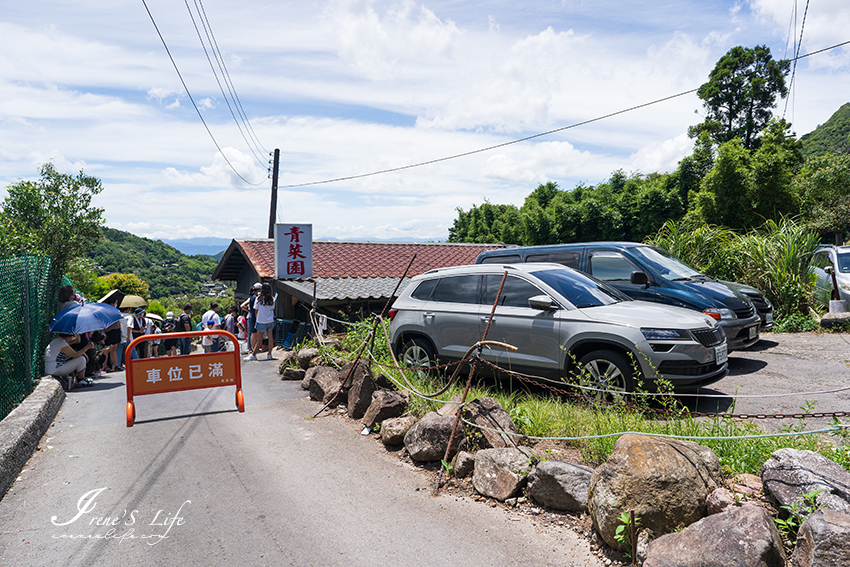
x=64, y=363
x=60, y=358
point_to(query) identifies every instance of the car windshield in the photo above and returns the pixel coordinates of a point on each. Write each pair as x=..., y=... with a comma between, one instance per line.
x=844, y=263
x=667, y=266
x=578, y=289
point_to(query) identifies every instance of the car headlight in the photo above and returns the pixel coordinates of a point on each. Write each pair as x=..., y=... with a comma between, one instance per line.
x=844, y=286
x=664, y=334
x=720, y=313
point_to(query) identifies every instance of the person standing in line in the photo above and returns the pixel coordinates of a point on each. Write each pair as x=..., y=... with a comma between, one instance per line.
x=264, y=306
x=242, y=331
x=210, y=321
x=248, y=306
x=170, y=326
x=155, y=330
x=126, y=324
x=141, y=326
x=184, y=325
x=110, y=343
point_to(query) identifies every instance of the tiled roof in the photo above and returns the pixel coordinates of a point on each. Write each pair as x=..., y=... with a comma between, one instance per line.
x=340, y=289
x=368, y=259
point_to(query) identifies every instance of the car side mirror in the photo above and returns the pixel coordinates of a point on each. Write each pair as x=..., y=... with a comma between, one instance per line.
x=640, y=278
x=542, y=303
x=828, y=270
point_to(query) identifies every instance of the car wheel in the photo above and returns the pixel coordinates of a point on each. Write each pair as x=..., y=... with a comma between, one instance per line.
x=606, y=370
x=417, y=353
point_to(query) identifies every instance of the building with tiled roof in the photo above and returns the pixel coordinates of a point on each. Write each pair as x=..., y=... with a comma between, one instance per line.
x=351, y=277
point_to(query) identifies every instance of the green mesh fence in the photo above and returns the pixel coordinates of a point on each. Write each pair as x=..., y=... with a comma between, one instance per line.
x=27, y=302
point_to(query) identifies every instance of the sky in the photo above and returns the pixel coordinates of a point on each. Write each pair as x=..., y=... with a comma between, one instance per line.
x=348, y=87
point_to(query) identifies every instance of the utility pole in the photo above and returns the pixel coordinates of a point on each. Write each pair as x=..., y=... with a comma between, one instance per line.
x=273, y=209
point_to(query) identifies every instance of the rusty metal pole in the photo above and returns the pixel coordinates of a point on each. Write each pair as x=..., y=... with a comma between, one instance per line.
x=466, y=391
x=369, y=338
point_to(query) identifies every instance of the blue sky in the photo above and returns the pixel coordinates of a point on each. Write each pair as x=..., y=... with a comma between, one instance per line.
x=346, y=87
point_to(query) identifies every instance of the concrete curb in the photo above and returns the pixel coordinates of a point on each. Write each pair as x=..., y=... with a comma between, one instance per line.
x=21, y=430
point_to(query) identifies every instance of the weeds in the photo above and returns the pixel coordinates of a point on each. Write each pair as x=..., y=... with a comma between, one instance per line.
x=798, y=511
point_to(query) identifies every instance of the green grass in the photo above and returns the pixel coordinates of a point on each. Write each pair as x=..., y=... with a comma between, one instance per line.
x=561, y=417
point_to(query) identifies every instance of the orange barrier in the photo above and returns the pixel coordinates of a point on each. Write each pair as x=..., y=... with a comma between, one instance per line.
x=186, y=372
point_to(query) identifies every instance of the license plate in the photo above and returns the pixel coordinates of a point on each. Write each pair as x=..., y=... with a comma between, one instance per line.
x=754, y=332
x=721, y=355
x=768, y=318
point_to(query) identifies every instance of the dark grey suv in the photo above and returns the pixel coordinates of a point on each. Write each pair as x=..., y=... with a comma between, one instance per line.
x=561, y=321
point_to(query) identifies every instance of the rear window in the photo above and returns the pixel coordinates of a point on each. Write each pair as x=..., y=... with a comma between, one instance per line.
x=457, y=289
x=424, y=289
x=567, y=258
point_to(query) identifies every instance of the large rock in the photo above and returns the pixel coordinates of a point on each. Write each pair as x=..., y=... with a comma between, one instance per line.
x=394, y=429
x=560, y=485
x=325, y=387
x=293, y=374
x=488, y=414
x=501, y=473
x=384, y=406
x=790, y=473
x=286, y=358
x=358, y=380
x=428, y=439
x=740, y=537
x=823, y=540
x=664, y=481
x=451, y=407
x=306, y=356
x=311, y=372
x=463, y=464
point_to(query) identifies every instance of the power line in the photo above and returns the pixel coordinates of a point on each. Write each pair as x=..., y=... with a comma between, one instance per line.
x=796, y=57
x=174, y=63
x=527, y=138
x=215, y=74
x=229, y=82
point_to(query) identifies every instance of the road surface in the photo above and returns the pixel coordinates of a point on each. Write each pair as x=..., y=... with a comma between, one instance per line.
x=194, y=482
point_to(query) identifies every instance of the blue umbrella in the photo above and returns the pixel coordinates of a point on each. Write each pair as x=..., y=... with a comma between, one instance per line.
x=84, y=318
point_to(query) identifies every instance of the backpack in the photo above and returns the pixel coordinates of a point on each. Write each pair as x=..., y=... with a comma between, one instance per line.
x=169, y=326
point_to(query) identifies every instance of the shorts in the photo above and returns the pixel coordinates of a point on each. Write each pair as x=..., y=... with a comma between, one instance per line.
x=170, y=344
x=113, y=337
x=263, y=327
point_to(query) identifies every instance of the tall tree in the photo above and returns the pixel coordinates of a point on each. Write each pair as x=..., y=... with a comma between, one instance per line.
x=740, y=95
x=53, y=216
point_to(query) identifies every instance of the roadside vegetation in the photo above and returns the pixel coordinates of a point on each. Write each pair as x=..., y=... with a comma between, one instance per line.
x=555, y=416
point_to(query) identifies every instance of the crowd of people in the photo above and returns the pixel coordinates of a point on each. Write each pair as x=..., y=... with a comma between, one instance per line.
x=79, y=358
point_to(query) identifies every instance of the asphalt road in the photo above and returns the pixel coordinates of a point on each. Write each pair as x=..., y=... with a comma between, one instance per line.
x=194, y=482
x=780, y=374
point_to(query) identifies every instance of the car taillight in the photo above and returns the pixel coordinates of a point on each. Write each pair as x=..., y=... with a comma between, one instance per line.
x=392, y=313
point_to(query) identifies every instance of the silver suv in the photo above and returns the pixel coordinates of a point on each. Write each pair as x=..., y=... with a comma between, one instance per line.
x=827, y=262
x=561, y=321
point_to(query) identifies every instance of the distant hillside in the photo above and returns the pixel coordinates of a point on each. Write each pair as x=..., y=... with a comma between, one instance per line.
x=164, y=268
x=831, y=137
x=194, y=246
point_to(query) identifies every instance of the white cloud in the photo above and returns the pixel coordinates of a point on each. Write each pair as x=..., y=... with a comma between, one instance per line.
x=662, y=156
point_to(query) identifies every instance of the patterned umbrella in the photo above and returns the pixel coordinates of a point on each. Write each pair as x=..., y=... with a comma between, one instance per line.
x=84, y=318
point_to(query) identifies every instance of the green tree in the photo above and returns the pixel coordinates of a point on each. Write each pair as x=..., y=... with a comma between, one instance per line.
x=130, y=284
x=824, y=188
x=53, y=216
x=740, y=94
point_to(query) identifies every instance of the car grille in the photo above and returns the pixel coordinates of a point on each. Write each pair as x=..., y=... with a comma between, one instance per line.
x=709, y=337
x=759, y=301
x=745, y=313
x=674, y=368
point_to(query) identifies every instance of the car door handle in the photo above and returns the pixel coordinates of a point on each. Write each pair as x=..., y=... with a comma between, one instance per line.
x=427, y=315
x=486, y=318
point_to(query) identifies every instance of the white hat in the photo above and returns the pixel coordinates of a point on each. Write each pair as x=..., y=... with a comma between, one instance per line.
x=169, y=315
x=257, y=285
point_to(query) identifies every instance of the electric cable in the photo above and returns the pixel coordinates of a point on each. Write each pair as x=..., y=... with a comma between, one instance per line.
x=527, y=138
x=229, y=82
x=215, y=74
x=796, y=57
x=189, y=94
